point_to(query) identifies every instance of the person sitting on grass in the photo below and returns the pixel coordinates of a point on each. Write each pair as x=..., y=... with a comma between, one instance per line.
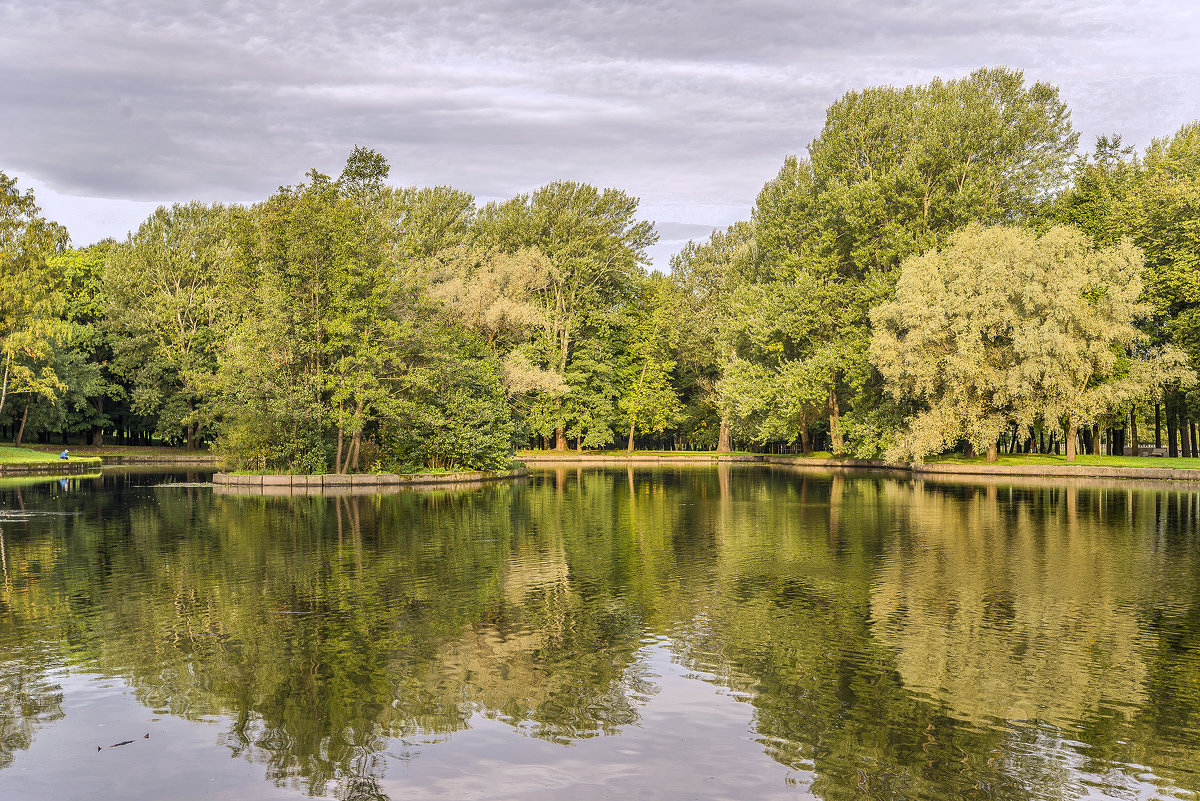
x=64, y=455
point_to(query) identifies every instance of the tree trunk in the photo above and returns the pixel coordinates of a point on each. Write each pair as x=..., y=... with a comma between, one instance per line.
x=341, y=439
x=1172, y=448
x=1072, y=434
x=724, y=444
x=560, y=439
x=835, y=424
x=4, y=385
x=1088, y=444
x=1157, y=425
x=1133, y=432
x=805, y=441
x=98, y=431
x=993, y=452
x=24, y=416
x=1185, y=438
x=633, y=414
x=1195, y=444
x=187, y=428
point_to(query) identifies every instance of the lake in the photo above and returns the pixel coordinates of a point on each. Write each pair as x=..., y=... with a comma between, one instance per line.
x=684, y=633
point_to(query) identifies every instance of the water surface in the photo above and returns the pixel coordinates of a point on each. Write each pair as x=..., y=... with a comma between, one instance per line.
x=692, y=633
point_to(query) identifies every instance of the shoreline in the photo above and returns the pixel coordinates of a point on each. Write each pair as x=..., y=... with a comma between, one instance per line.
x=65, y=468
x=352, y=483
x=545, y=458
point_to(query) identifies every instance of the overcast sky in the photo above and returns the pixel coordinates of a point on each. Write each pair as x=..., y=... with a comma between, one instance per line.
x=109, y=107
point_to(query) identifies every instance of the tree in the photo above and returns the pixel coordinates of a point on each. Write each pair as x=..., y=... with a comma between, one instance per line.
x=1097, y=201
x=340, y=356
x=707, y=275
x=649, y=401
x=897, y=171
x=794, y=346
x=1003, y=326
x=165, y=296
x=893, y=173
x=82, y=271
x=31, y=297
x=596, y=249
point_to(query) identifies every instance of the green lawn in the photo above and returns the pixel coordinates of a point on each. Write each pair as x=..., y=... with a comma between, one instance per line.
x=119, y=450
x=1089, y=461
x=1042, y=459
x=11, y=455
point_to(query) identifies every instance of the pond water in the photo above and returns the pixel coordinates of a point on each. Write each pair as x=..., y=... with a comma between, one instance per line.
x=600, y=634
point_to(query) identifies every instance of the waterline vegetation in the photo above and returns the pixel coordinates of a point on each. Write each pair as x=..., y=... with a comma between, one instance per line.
x=942, y=273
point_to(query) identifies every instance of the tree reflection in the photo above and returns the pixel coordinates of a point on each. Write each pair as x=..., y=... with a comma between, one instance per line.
x=896, y=639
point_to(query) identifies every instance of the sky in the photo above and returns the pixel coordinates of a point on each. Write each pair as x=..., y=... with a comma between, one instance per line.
x=109, y=108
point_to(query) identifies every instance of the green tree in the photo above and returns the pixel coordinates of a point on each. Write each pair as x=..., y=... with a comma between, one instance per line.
x=166, y=304
x=341, y=358
x=706, y=276
x=894, y=172
x=597, y=250
x=649, y=400
x=1003, y=326
x=31, y=295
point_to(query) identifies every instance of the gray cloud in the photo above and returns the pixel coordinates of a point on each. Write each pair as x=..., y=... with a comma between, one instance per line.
x=690, y=105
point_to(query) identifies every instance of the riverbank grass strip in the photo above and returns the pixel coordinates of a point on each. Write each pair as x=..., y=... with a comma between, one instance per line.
x=1082, y=460
x=24, y=456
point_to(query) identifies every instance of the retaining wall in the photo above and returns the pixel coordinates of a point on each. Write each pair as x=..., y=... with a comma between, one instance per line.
x=351, y=483
x=802, y=463
x=64, y=468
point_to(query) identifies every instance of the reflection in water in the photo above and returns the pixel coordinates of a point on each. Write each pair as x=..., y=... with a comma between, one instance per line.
x=892, y=638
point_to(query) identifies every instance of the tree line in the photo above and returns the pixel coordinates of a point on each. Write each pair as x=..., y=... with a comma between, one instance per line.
x=941, y=271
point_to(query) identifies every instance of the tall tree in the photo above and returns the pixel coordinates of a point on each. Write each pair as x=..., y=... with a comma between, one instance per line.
x=164, y=295
x=707, y=276
x=1003, y=327
x=596, y=247
x=649, y=400
x=31, y=296
x=894, y=172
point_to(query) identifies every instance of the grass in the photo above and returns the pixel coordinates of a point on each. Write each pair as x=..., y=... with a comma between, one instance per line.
x=1035, y=459
x=25, y=456
x=120, y=450
x=1046, y=459
x=624, y=453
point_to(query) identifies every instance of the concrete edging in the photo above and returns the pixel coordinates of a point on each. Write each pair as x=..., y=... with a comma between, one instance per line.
x=49, y=468
x=709, y=457
x=350, y=483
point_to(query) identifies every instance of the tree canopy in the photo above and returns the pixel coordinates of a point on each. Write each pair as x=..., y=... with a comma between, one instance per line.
x=344, y=323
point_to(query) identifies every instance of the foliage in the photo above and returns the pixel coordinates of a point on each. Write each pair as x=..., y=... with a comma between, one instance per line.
x=342, y=361
x=595, y=249
x=31, y=296
x=163, y=289
x=324, y=327
x=1003, y=327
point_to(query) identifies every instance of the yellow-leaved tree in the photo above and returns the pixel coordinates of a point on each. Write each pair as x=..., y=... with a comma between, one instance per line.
x=1005, y=327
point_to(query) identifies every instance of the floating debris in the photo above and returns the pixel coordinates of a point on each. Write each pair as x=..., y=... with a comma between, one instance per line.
x=145, y=736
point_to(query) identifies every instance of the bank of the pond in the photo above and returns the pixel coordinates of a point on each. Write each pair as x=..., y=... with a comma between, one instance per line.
x=25, y=461
x=1028, y=465
x=352, y=483
x=164, y=455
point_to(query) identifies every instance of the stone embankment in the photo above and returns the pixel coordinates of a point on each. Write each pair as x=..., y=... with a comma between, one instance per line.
x=548, y=458
x=63, y=468
x=352, y=483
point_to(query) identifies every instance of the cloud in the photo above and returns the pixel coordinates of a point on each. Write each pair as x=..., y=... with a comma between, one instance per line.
x=690, y=103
